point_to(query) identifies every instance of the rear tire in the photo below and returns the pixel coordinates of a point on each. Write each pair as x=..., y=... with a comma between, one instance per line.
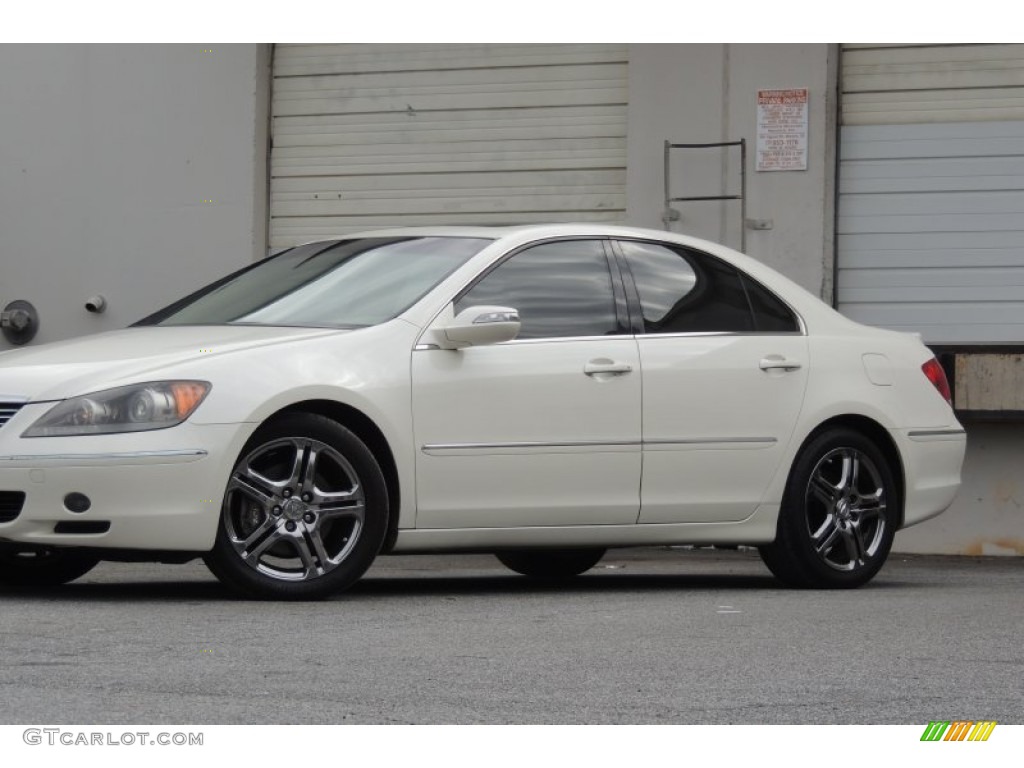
x=838, y=515
x=550, y=564
x=43, y=566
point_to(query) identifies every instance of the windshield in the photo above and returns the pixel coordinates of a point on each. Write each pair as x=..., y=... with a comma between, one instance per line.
x=342, y=284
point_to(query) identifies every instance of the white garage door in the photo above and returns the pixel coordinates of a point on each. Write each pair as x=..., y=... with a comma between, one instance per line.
x=931, y=203
x=384, y=135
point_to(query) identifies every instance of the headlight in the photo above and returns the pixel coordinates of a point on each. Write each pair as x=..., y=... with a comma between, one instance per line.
x=136, y=408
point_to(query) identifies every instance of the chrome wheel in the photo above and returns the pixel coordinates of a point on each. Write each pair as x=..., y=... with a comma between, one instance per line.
x=294, y=509
x=846, y=509
x=839, y=512
x=305, y=511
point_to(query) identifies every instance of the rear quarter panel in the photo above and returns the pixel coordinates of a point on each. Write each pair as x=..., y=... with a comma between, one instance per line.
x=866, y=372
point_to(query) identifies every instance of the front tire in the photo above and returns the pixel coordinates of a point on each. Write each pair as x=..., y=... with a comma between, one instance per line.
x=43, y=566
x=304, y=513
x=839, y=514
x=550, y=564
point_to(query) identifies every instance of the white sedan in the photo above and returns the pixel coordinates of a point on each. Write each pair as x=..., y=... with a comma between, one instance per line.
x=542, y=393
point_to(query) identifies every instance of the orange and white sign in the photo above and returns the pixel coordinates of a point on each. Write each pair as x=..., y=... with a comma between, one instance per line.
x=782, y=130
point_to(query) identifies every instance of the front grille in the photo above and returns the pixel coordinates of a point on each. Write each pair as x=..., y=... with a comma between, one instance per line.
x=7, y=411
x=11, y=503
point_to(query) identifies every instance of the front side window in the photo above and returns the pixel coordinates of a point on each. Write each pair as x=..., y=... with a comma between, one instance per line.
x=686, y=291
x=560, y=289
x=348, y=284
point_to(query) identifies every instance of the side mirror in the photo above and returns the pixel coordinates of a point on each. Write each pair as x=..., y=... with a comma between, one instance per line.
x=475, y=326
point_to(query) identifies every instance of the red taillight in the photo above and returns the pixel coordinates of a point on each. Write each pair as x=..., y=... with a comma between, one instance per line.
x=937, y=376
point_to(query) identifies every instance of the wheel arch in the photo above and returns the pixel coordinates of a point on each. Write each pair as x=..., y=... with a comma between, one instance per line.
x=366, y=430
x=880, y=436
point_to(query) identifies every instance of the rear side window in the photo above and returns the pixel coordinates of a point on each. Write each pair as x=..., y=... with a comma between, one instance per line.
x=770, y=314
x=681, y=293
x=686, y=291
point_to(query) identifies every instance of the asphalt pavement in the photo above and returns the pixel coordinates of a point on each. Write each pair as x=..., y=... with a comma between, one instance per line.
x=652, y=635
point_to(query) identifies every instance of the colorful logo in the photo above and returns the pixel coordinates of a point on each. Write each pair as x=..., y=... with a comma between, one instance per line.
x=958, y=730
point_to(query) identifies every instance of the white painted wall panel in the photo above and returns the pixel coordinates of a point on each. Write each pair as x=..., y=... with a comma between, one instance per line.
x=930, y=231
x=980, y=104
x=924, y=244
x=396, y=128
x=934, y=174
x=309, y=228
x=932, y=83
x=938, y=67
x=945, y=277
x=449, y=89
x=935, y=141
x=936, y=249
x=372, y=57
x=379, y=135
x=423, y=157
x=132, y=171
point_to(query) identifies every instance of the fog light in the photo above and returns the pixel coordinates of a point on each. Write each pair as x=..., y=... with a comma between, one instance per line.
x=77, y=502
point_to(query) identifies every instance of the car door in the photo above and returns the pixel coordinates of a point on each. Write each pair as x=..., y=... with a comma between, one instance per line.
x=724, y=373
x=543, y=430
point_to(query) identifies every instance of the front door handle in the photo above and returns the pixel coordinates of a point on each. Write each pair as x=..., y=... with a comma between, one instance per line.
x=778, y=362
x=602, y=368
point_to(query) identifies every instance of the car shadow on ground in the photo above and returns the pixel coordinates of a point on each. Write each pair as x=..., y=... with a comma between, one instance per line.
x=443, y=586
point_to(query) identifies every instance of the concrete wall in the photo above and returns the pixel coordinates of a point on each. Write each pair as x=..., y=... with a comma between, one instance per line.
x=110, y=154
x=708, y=93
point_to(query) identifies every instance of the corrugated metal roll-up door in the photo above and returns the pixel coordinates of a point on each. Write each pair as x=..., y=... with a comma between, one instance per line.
x=931, y=191
x=385, y=135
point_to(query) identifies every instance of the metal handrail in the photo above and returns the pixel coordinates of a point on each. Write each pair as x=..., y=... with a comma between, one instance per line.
x=742, y=196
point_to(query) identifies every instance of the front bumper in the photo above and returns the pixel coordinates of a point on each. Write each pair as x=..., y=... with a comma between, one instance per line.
x=158, y=490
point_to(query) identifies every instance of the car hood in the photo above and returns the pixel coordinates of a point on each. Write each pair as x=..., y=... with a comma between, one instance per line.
x=77, y=366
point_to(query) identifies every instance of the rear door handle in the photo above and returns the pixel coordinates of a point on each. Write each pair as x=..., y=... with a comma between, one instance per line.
x=778, y=362
x=603, y=367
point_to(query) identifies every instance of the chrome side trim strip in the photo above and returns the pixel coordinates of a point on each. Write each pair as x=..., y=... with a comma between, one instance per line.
x=127, y=456
x=498, y=446
x=715, y=334
x=625, y=335
x=711, y=440
x=935, y=435
x=434, y=448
